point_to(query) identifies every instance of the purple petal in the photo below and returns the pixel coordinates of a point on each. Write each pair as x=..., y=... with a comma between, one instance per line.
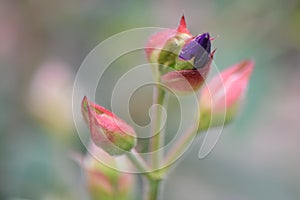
x=204, y=41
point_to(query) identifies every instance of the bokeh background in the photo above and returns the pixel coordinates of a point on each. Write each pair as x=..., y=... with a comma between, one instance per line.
x=42, y=44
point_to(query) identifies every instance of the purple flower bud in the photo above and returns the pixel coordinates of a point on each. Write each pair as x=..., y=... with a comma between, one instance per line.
x=198, y=48
x=204, y=41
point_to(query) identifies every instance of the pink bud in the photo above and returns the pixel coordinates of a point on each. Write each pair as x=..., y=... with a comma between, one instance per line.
x=159, y=39
x=103, y=181
x=187, y=56
x=107, y=130
x=220, y=99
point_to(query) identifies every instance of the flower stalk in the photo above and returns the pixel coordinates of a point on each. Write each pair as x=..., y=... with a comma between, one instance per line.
x=157, y=139
x=181, y=63
x=154, y=187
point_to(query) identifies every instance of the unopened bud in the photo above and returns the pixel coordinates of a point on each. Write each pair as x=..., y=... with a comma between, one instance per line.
x=107, y=130
x=220, y=99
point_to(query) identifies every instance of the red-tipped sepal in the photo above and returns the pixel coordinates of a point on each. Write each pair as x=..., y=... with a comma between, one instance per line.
x=182, y=26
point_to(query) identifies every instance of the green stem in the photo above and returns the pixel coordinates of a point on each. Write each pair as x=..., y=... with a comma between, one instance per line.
x=140, y=164
x=153, y=192
x=153, y=179
x=181, y=145
x=157, y=135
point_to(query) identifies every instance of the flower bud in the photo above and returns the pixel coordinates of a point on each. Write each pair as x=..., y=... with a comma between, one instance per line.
x=184, y=60
x=221, y=98
x=49, y=94
x=197, y=50
x=169, y=54
x=159, y=40
x=107, y=130
x=104, y=182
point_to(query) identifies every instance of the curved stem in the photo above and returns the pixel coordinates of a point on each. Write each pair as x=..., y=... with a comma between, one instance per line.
x=157, y=135
x=181, y=144
x=139, y=163
x=153, y=179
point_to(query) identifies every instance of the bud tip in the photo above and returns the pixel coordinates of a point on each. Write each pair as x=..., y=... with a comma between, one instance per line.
x=182, y=26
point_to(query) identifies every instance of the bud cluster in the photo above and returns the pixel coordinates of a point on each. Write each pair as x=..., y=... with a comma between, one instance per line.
x=184, y=60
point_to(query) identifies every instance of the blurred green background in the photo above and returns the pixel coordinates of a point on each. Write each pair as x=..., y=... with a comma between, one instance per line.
x=42, y=44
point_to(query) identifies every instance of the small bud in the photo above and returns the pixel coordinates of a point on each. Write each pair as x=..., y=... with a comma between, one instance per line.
x=107, y=130
x=49, y=93
x=104, y=182
x=184, y=61
x=221, y=98
x=163, y=40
